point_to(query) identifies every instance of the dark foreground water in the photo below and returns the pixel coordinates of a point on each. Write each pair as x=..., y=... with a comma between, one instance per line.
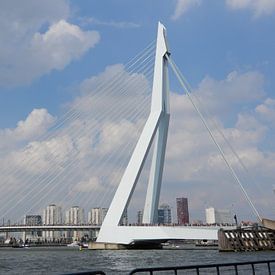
x=66, y=260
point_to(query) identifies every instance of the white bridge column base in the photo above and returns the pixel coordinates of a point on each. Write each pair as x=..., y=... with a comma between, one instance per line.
x=130, y=234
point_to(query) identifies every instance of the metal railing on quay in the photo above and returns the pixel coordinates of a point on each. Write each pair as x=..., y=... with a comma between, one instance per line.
x=252, y=267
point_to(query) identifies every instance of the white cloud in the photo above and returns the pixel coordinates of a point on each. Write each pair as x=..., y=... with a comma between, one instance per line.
x=87, y=157
x=35, y=38
x=219, y=97
x=237, y=88
x=38, y=156
x=100, y=129
x=258, y=7
x=93, y=184
x=249, y=131
x=118, y=131
x=183, y=6
x=267, y=110
x=36, y=124
x=194, y=165
x=62, y=43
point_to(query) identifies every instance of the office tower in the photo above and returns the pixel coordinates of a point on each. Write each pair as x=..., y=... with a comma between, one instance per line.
x=182, y=210
x=32, y=220
x=214, y=216
x=164, y=214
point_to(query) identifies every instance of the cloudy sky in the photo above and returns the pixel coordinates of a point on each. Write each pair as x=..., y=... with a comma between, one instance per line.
x=55, y=54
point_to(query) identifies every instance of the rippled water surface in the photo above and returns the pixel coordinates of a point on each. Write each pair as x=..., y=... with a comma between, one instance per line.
x=66, y=260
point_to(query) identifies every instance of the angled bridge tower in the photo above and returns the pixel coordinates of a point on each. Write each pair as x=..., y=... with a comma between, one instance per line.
x=160, y=106
x=156, y=127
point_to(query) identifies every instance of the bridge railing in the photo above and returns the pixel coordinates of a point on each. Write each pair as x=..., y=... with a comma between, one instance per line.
x=252, y=267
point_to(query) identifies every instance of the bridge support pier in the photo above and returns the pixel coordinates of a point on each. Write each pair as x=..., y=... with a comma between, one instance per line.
x=24, y=236
x=116, y=246
x=106, y=246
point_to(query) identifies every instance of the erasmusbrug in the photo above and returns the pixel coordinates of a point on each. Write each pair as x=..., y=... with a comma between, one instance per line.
x=84, y=159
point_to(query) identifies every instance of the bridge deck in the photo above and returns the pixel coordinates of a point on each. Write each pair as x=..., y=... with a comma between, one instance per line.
x=130, y=234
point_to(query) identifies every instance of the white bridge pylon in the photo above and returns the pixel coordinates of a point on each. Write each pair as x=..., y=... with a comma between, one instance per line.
x=155, y=127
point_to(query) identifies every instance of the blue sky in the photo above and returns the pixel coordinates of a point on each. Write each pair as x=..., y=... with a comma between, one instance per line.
x=224, y=48
x=207, y=39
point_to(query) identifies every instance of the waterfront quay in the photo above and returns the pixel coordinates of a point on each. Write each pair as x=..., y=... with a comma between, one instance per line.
x=14, y=243
x=44, y=235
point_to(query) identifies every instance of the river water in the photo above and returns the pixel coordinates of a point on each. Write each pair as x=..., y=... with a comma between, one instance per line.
x=64, y=260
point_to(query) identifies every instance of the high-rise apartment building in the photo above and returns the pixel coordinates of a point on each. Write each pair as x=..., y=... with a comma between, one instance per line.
x=164, y=214
x=75, y=216
x=97, y=215
x=52, y=215
x=182, y=211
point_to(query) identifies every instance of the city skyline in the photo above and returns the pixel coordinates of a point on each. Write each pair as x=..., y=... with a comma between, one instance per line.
x=76, y=215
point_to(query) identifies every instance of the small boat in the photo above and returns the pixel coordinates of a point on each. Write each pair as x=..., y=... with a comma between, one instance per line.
x=84, y=245
x=7, y=241
x=21, y=246
x=73, y=244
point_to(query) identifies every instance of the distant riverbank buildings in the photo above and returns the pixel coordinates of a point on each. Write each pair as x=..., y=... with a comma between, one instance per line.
x=218, y=216
x=164, y=215
x=52, y=215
